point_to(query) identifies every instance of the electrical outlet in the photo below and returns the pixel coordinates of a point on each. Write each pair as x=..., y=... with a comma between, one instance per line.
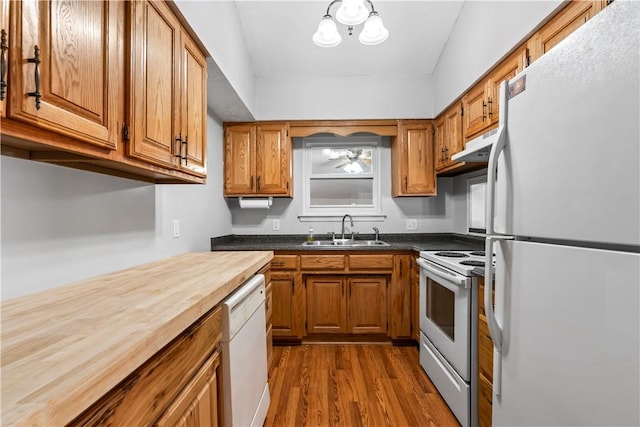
x=176, y=228
x=275, y=225
x=412, y=224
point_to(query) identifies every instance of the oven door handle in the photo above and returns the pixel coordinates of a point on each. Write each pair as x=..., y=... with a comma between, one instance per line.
x=448, y=276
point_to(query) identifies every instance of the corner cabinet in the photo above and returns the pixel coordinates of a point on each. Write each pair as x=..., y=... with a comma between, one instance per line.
x=413, y=160
x=63, y=68
x=257, y=160
x=167, y=91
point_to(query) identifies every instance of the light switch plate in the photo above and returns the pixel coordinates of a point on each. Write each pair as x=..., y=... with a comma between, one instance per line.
x=412, y=224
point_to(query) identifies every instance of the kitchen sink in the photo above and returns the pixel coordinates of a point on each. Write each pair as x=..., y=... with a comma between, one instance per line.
x=345, y=242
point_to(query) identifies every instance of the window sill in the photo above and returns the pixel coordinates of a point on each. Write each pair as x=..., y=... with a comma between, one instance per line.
x=338, y=218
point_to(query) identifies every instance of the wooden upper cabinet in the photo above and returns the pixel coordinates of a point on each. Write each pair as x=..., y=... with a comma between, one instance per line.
x=154, y=115
x=257, y=160
x=273, y=160
x=412, y=159
x=482, y=103
x=440, y=145
x=449, y=137
x=475, y=117
x=505, y=71
x=564, y=23
x=167, y=89
x=63, y=71
x=193, y=111
x=4, y=47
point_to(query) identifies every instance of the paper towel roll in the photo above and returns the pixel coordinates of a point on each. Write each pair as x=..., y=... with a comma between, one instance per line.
x=256, y=203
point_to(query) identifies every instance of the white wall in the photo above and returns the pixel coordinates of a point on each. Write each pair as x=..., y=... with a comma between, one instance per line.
x=484, y=32
x=434, y=214
x=345, y=97
x=220, y=31
x=61, y=225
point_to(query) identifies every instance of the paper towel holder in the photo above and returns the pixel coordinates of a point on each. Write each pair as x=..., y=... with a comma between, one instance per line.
x=255, y=202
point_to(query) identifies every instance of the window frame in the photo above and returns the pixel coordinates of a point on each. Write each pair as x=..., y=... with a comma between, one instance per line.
x=374, y=142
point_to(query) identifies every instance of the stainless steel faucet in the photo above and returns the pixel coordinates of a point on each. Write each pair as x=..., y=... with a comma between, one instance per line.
x=375, y=229
x=350, y=219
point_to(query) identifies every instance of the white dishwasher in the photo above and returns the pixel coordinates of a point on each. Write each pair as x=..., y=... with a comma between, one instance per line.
x=244, y=355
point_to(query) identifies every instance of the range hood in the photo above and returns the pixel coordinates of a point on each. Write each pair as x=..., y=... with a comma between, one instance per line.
x=478, y=149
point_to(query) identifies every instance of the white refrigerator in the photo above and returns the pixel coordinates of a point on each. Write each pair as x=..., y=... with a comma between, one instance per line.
x=563, y=217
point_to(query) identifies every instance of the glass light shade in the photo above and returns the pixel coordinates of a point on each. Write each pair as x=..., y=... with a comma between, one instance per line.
x=374, y=31
x=327, y=34
x=352, y=12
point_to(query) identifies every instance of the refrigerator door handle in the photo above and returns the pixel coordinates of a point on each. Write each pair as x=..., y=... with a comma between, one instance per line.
x=496, y=150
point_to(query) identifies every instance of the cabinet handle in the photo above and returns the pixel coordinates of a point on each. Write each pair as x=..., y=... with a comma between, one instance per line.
x=36, y=75
x=258, y=186
x=179, y=147
x=405, y=183
x=484, y=116
x=185, y=144
x=490, y=107
x=3, y=64
x=251, y=183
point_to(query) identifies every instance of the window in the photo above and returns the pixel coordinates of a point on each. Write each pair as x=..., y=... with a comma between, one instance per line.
x=341, y=175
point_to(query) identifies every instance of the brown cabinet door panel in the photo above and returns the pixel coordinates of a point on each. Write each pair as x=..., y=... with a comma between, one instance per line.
x=77, y=74
x=475, y=117
x=239, y=162
x=419, y=178
x=326, y=304
x=440, y=142
x=367, y=305
x=194, y=108
x=154, y=106
x=283, y=304
x=564, y=23
x=273, y=165
x=506, y=71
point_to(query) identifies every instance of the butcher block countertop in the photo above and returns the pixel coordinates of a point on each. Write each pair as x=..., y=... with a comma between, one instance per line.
x=64, y=348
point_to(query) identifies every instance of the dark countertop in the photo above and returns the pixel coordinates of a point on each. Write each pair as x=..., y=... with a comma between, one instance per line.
x=397, y=242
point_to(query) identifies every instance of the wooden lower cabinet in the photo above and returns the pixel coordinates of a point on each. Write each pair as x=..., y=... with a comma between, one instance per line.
x=326, y=305
x=485, y=363
x=346, y=304
x=283, y=318
x=415, y=299
x=180, y=381
x=199, y=403
x=367, y=305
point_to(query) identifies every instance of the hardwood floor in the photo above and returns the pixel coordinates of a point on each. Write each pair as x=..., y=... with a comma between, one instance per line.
x=352, y=385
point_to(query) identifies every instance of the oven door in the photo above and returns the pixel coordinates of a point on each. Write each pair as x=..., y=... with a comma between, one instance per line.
x=445, y=314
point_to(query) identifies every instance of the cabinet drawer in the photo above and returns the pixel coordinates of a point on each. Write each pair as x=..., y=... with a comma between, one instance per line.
x=371, y=262
x=485, y=396
x=322, y=262
x=485, y=348
x=284, y=262
x=145, y=394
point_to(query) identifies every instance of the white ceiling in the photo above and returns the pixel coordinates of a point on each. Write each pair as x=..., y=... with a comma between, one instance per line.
x=278, y=38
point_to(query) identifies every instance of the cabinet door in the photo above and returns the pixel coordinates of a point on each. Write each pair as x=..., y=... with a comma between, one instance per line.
x=193, y=108
x=326, y=304
x=367, y=305
x=440, y=144
x=454, y=143
x=239, y=160
x=200, y=403
x=273, y=160
x=64, y=68
x=505, y=71
x=418, y=176
x=4, y=47
x=564, y=23
x=283, y=317
x=474, y=104
x=154, y=117
x=400, y=294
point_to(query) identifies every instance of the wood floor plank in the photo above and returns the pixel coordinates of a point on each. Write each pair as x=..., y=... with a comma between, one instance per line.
x=352, y=385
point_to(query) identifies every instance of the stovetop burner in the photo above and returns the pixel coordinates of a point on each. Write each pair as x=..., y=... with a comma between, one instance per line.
x=473, y=263
x=452, y=254
x=477, y=253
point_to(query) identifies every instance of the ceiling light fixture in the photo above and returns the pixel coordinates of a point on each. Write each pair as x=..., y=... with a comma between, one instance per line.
x=351, y=13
